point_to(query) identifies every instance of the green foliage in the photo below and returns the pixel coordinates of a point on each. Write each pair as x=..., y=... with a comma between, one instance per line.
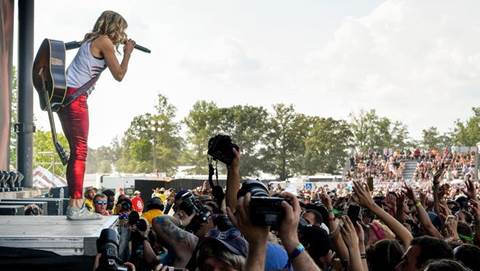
x=247, y=126
x=468, y=133
x=326, y=146
x=151, y=143
x=202, y=123
x=13, y=118
x=431, y=139
x=44, y=153
x=100, y=160
x=371, y=131
x=284, y=142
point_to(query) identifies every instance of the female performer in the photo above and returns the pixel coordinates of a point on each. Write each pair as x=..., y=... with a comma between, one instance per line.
x=96, y=53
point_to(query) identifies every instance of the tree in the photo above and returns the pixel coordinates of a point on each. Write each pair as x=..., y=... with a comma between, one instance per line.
x=100, y=160
x=246, y=125
x=431, y=139
x=326, y=146
x=13, y=118
x=202, y=123
x=468, y=133
x=284, y=143
x=400, y=139
x=44, y=153
x=151, y=143
x=371, y=131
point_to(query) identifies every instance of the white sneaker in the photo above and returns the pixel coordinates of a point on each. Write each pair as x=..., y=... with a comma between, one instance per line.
x=81, y=214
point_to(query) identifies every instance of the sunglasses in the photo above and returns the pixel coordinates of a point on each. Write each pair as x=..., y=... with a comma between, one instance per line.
x=104, y=202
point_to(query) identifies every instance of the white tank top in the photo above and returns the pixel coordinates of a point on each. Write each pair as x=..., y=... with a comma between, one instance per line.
x=84, y=67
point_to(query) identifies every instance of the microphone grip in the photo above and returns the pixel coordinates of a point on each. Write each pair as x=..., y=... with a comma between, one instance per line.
x=141, y=48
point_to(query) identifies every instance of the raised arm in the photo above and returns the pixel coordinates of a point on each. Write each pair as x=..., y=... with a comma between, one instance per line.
x=363, y=197
x=340, y=246
x=233, y=181
x=107, y=50
x=288, y=234
x=422, y=214
x=180, y=241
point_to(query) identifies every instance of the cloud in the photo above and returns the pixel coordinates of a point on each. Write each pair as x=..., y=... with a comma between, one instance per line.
x=224, y=59
x=416, y=61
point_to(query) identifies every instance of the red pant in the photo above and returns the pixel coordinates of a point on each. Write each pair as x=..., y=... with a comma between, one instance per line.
x=74, y=119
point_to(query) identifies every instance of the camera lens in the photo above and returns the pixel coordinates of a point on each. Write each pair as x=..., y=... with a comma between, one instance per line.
x=256, y=189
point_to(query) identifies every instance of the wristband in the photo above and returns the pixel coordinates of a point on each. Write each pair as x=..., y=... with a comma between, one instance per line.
x=418, y=204
x=363, y=255
x=297, y=251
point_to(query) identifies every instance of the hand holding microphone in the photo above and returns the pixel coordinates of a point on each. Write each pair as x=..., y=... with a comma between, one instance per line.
x=128, y=46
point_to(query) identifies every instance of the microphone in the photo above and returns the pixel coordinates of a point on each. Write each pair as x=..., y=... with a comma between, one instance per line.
x=76, y=44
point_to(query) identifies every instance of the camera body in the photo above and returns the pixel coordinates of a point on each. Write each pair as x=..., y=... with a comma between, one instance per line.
x=192, y=204
x=220, y=148
x=107, y=245
x=264, y=210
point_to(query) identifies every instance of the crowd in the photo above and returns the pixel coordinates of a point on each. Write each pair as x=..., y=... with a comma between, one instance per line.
x=355, y=227
x=390, y=165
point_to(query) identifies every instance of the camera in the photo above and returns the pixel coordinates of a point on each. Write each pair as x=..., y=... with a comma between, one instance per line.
x=264, y=210
x=107, y=245
x=192, y=204
x=134, y=220
x=220, y=148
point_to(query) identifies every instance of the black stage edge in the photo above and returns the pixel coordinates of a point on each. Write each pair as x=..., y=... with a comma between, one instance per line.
x=20, y=259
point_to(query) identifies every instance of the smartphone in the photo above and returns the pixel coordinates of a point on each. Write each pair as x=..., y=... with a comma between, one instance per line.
x=370, y=183
x=354, y=213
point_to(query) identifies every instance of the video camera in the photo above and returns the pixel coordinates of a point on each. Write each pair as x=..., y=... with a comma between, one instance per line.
x=107, y=245
x=264, y=210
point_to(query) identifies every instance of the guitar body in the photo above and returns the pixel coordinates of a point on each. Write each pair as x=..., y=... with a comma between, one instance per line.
x=48, y=74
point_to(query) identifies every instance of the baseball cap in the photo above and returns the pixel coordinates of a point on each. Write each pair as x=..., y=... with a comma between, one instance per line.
x=231, y=239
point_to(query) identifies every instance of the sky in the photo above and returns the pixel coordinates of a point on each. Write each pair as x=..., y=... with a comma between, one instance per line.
x=415, y=61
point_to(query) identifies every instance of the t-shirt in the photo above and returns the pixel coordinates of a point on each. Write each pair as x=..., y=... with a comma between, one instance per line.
x=151, y=214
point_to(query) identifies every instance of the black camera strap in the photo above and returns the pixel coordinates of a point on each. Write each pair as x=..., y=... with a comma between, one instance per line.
x=211, y=171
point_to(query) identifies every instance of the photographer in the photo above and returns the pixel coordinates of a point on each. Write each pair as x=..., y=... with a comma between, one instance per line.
x=257, y=235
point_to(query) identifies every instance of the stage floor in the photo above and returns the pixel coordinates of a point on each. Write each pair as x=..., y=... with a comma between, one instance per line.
x=53, y=233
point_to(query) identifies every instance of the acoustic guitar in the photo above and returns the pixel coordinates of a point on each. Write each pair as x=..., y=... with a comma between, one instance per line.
x=49, y=80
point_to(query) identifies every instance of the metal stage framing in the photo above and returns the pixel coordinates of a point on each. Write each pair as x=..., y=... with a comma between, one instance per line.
x=53, y=233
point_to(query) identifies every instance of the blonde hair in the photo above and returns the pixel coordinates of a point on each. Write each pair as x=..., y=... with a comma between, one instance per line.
x=112, y=25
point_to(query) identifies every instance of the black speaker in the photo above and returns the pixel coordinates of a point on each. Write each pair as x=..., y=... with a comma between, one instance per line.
x=59, y=192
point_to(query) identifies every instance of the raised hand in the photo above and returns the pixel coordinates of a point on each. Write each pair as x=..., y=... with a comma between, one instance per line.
x=438, y=174
x=475, y=204
x=362, y=195
x=326, y=200
x=451, y=226
x=288, y=229
x=470, y=188
x=409, y=192
x=241, y=220
x=349, y=233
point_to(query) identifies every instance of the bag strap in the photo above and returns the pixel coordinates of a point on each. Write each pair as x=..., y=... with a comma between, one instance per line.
x=82, y=90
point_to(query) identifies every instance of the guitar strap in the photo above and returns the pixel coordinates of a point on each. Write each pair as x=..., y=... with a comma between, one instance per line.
x=81, y=90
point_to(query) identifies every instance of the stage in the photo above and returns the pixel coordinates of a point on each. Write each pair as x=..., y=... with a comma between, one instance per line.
x=53, y=233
